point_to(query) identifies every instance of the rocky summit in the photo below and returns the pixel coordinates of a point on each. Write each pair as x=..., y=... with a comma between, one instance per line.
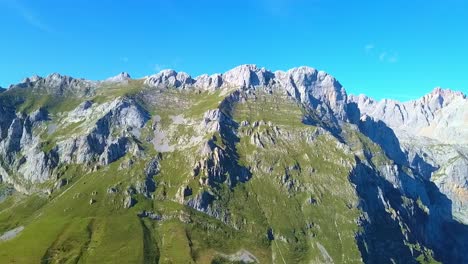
x=249, y=166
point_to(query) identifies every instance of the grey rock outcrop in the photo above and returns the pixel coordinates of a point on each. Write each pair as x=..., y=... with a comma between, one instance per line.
x=60, y=183
x=148, y=185
x=212, y=120
x=317, y=88
x=12, y=143
x=108, y=140
x=31, y=79
x=209, y=82
x=202, y=202
x=128, y=202
x=248, y=76
x=21, y=150
x=122, y=77
x=38, y=116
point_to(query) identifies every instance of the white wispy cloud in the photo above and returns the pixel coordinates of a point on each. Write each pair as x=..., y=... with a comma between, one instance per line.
x=157, y=67
x=27, y=14
x=393, y=58
x=369, y=47
x=382, y=55
x=390, y=57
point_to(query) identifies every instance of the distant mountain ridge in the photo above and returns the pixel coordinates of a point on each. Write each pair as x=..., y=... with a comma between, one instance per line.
x=441, y=114
x=248, y=75
x=294, y=81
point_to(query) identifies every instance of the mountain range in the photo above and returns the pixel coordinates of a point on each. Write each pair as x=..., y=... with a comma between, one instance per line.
x=249, y=166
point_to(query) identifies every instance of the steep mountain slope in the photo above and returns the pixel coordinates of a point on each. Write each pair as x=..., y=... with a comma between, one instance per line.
x=433, y=133
x=246, y=166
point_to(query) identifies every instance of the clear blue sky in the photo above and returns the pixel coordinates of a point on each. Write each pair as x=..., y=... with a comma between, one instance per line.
x=400, y=49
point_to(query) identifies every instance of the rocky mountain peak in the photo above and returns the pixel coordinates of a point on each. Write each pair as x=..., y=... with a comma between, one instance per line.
x=309, y=80
x=170, y=78
x=57, y=77
x=314, y=87
x=441, y=97
x=301, y=71
x=54, y=75
x=248, y=75
x=33, y=78
x=360, y=99
x=58, y=84
x=121, y=77
x=446, y=92
x=57, y=80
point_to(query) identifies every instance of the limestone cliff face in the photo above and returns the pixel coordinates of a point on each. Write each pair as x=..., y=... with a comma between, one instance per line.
x=108, y=138
x=104, y=137
x=20, y=150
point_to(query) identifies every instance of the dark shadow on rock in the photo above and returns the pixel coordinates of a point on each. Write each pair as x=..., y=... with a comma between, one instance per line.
x=228, y=131
x=151, y=170
x=353, y=113
x=383, y=239
x=313, y=118
x=448, y=237
x=422, y=167
x=440, y=232
x=7, y=115
x=384, y=136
